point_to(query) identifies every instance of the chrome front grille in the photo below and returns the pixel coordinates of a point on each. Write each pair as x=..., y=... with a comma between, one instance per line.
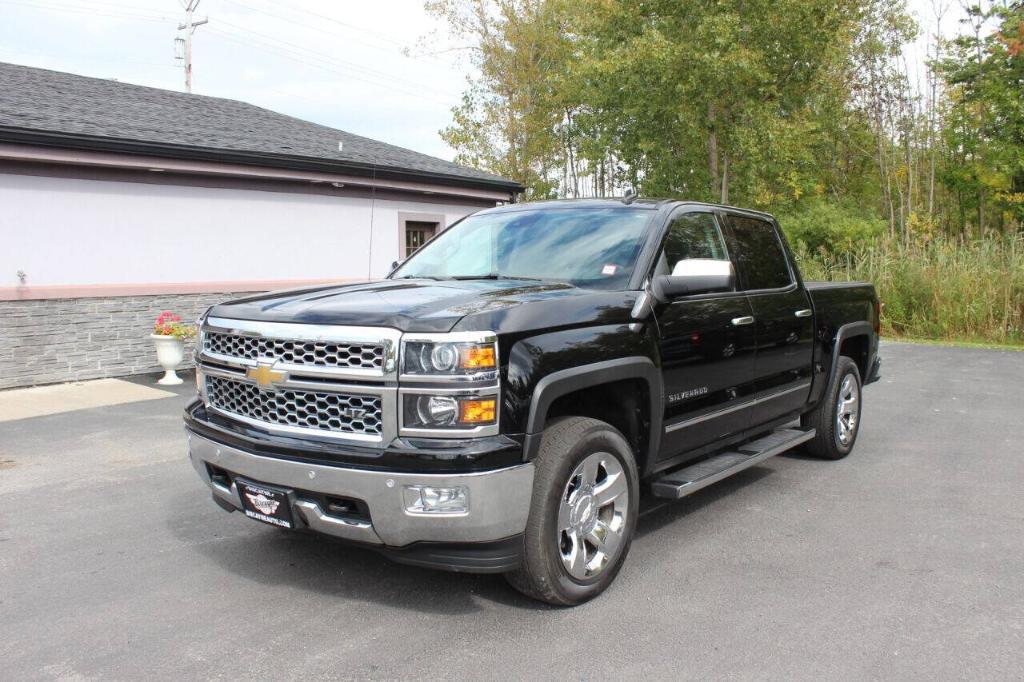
x=323, y=411
x=296, y=352
x=331, y=381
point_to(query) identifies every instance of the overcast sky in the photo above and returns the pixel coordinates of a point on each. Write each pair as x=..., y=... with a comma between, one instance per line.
x=338, y=63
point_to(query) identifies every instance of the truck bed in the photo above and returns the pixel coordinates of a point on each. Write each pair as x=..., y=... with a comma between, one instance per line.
x=839, y=303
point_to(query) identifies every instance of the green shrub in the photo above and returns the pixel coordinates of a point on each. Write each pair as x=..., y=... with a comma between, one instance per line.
x=946, y=288
x=821, y=226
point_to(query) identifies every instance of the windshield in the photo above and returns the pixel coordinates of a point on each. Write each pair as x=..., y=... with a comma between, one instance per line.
x=590, y=247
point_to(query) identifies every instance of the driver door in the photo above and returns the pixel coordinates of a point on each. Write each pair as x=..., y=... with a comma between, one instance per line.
x=707, y=345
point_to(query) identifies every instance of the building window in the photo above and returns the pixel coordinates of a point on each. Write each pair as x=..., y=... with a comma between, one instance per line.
x=417, y=233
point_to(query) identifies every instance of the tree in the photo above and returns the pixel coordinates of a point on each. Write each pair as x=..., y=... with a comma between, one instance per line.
x=985, y=126
x=782, y=105
x=510, y=118
x=700, y=98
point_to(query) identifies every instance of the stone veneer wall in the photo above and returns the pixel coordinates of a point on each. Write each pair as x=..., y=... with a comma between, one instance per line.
x=57, y=340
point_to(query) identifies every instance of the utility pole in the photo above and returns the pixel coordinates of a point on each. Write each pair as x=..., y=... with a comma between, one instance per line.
x=189, y=28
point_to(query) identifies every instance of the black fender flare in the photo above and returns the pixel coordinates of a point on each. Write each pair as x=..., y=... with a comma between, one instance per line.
x=849, y=331
x=563, y=382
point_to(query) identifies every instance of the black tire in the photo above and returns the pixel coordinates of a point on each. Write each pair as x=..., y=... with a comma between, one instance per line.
x=829, y=443
x=565, y=445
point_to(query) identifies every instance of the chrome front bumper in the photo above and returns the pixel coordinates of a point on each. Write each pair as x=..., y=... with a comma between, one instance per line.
x=499, y=500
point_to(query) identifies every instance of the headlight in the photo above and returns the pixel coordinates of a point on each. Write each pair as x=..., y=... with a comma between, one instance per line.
x=457, y=357
x=424, y=411
x=449, y=385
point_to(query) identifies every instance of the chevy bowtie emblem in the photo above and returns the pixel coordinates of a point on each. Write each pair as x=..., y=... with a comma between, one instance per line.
x=265, y=376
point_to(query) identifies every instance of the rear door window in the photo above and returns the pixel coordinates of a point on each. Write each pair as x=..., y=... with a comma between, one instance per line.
x=758, y=253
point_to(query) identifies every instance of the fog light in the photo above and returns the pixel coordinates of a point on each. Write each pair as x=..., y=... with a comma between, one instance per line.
x=429, y=499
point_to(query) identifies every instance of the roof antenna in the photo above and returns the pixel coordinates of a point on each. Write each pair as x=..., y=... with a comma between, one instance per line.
x=629, y=197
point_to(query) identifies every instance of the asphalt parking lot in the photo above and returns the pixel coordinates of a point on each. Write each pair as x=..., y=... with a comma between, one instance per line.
x=903, y=561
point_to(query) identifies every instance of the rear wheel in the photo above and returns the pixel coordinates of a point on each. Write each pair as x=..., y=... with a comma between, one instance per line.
x=837, y=418
x=583, y=513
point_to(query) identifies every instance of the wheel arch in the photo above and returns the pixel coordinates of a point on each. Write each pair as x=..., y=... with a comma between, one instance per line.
x=857, y=337
x=567, y=382
x=854, y=341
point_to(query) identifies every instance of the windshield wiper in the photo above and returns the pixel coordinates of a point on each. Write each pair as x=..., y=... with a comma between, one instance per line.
x=495, y=275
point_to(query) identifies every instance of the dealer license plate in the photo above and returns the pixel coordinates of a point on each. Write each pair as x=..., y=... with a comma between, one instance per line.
x=266, y=504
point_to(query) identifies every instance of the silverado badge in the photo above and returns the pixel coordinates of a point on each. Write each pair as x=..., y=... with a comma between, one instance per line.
x=687, y=394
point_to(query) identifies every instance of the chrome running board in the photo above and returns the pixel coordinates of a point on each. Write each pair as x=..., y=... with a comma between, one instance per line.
x=682, y=482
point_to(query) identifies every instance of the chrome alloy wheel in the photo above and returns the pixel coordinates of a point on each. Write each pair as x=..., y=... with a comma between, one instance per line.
x=592, y=515
x=847, y=410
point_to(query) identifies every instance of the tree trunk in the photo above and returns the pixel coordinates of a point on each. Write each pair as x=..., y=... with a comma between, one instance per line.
x=713, y=151
x=725, y=179
x=883, y=173
x=933, y=112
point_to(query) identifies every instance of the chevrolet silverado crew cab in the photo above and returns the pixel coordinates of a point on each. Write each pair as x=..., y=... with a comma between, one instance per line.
x=497, y=403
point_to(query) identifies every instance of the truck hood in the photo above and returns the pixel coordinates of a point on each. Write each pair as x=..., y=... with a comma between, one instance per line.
x=414, y=305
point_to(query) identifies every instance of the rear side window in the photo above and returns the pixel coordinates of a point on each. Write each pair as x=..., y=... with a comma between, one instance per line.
x=758, y=254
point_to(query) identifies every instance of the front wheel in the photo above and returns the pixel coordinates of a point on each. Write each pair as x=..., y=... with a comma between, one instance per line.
x=583, y=513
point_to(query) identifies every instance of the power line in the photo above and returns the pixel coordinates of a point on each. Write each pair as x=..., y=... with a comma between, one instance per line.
x=265, y=43
x=360, y=29
x=113, y=5
x=353, y=74
x=394, y=48
x=327, y=66
x=57, y=7
x=312, y=54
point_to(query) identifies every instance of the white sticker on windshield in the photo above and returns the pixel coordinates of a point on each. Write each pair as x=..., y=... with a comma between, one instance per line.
x=609, y=269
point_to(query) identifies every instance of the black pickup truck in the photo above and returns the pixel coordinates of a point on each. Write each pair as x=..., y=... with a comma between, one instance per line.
x=496, y=403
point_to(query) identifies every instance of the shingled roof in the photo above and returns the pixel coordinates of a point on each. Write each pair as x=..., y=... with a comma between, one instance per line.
x=55, y=108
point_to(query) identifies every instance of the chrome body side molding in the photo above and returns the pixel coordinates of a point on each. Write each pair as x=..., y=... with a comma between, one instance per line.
x=738, y=406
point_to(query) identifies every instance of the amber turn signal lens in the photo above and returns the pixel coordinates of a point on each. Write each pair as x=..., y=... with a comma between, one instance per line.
x=477, y=411
x=478, y=357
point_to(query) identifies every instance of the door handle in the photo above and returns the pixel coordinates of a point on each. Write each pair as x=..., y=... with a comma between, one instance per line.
x=740, y=321
x=806, y=312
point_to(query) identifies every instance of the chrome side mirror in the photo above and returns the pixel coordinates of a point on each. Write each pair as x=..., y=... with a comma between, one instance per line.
x=694, y=276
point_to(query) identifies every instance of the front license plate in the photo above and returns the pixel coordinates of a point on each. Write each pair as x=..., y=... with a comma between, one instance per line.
x=268, y=505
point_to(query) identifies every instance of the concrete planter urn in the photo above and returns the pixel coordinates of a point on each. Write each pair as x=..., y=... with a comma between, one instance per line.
x=169, y=336
x=170, y=352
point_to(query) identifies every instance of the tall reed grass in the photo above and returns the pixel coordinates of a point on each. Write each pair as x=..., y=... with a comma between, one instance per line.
x=945, y=288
